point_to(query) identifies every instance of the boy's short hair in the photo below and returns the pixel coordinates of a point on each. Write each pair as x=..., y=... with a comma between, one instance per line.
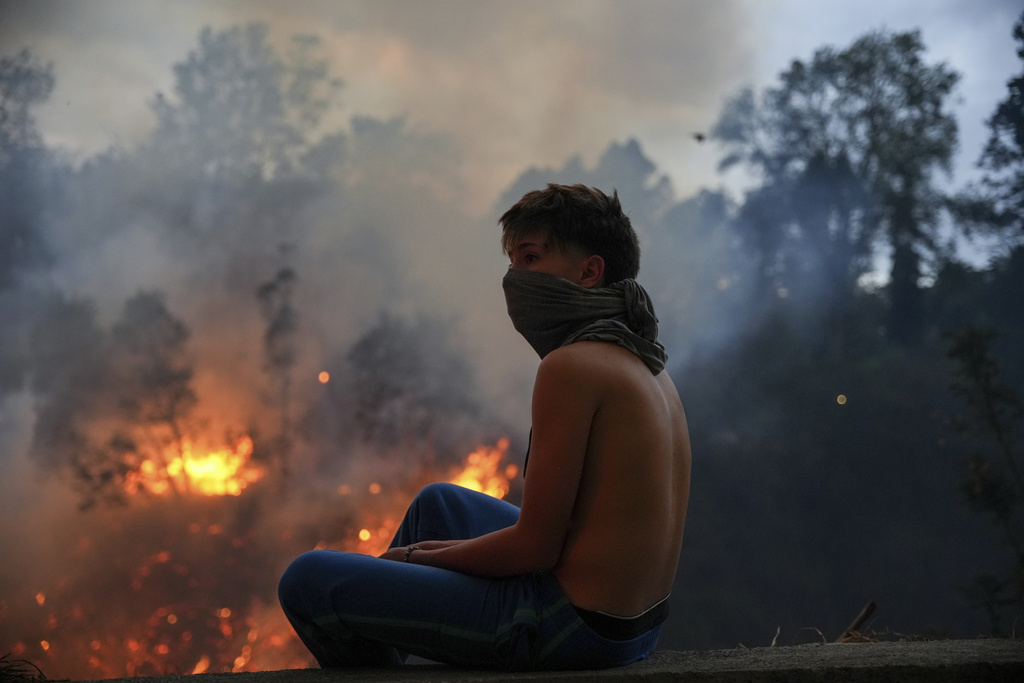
x=577, y=216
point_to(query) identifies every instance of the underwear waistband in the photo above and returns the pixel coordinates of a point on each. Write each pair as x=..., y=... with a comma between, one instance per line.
x=624, y=628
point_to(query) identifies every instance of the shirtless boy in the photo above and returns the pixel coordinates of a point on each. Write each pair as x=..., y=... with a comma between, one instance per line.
x=579, y=576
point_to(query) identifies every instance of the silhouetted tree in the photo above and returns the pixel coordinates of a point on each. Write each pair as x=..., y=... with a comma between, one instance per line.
x=242, y=110
x=994, y=483
x=154, y=376
x=279, y=351
x=238, y=149
x=621, y=167
x=1003, y=157
x=846, y=147
x=410, y=387
x=24, y=84
x=70, y=368
x=107, y=402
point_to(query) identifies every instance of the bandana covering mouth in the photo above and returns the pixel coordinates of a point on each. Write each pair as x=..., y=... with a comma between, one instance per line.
x=550, y=312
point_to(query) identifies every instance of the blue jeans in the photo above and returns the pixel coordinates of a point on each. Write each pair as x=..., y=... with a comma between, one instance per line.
x=352, y=609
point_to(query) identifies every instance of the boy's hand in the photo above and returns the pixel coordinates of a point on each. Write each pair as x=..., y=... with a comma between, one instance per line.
x=398, y=554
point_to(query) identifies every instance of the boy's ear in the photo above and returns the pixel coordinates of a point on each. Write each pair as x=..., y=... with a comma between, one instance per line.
x=593, y=272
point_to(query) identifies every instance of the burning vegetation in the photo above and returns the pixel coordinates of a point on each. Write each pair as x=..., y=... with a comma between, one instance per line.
x=181, y=578
x=189, y=498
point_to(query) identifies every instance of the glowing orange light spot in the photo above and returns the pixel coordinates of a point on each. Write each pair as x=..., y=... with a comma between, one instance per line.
x=324, y=377
x=344, y=490
x=95, y=644
x=41, y=597
x=202, y=666
x=224, y=612
x=162, y=649
x=172, y=619
x=481, y=470
x=364, y=535
x=163, y=556
x=45, y=644
x=375, y=488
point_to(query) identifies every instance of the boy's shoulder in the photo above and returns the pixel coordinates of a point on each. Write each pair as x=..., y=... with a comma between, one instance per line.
x=590, y=359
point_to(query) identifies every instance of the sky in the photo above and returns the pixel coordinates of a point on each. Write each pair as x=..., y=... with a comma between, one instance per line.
x=509, y=84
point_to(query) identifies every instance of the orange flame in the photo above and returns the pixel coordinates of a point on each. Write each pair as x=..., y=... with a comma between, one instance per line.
x=223, y=472
x=200, y=634
x=481, y=470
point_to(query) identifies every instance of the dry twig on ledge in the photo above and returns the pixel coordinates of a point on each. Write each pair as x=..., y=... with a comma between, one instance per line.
x=851, y=630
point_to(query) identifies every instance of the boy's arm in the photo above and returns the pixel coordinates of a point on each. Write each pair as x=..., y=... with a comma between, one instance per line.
x=564, y=402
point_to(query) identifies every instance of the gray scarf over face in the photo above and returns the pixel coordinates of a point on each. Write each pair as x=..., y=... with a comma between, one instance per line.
x=550, y=311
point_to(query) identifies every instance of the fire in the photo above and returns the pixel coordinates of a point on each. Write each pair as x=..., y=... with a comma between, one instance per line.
x=198, y=580
x=224, y=472
x=481, y=470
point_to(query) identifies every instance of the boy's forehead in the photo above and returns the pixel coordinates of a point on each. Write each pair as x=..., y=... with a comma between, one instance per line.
x=536, y=240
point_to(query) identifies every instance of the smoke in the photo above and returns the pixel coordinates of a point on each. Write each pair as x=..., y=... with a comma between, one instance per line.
x=306, y=289
x=323, y=280
x=516, y=84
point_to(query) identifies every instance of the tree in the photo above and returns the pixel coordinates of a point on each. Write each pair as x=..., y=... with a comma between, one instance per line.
x=108, y=401
x=70, y=368
x=846, y=148
x=238, y=148
x=154, y=392
x=240, y=109
x=24, y=84
x=410, y=388
x=1003, y=157
x=280, y=351
x=994, y=481
x=622, y=167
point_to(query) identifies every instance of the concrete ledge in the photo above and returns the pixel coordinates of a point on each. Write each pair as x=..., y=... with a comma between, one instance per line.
x=964, y=661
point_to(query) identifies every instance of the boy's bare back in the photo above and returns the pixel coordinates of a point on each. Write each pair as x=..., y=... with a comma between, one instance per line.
x=626, y=525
